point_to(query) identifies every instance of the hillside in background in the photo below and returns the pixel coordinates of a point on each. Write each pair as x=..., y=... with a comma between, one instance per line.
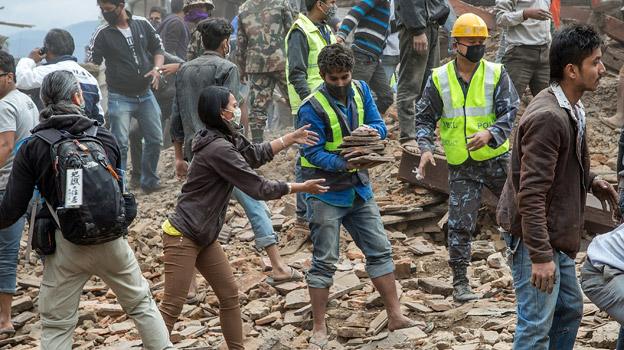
x=21, y=43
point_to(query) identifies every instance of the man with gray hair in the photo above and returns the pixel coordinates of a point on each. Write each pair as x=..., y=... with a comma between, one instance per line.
x=71, y=265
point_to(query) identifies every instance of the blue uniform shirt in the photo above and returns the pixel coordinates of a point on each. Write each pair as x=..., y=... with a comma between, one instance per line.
x=317, y=154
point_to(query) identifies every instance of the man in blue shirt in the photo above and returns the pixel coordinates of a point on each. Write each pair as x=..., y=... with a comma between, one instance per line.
x=334, y=110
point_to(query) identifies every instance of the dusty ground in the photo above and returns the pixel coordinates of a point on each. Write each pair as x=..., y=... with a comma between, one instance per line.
x=268, y=314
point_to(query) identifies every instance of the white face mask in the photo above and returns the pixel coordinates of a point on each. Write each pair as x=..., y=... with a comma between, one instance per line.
x=237, y=114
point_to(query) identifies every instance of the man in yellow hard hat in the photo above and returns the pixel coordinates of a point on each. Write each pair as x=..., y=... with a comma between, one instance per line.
x=475, y=103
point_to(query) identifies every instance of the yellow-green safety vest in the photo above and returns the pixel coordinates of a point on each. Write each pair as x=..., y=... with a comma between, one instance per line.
x=466, y=115
x=332, y=143
x=316, y=43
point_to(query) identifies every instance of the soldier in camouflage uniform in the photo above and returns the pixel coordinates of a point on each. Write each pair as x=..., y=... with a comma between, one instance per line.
x=262, y=29
x=194, y=12
x=475, y=113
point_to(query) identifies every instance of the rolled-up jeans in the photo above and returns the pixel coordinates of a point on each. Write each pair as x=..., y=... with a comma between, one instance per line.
x=9, y=250
x=363, y=222
x=259, y=217
x=146, y=111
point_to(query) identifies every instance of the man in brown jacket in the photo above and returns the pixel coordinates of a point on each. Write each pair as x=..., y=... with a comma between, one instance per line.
x=544, y=198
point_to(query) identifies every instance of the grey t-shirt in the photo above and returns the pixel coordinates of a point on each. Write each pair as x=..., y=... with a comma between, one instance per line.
x=18, y=113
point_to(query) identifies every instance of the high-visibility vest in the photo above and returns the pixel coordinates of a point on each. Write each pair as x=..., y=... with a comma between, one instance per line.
x=316, y=43
x=465, y=115
x=335, y=132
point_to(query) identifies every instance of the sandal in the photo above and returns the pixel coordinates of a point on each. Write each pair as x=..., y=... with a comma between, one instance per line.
x=608, y=123
x=320, y=344
x=294, y=276
x=412, y=324
x=6, y=333
x=410, y=147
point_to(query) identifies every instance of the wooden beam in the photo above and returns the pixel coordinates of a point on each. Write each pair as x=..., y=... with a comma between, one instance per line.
x=610, y=25
x=461, y=7
x=596, y=219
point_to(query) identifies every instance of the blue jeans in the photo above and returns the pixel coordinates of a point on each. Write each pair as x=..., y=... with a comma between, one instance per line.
x=363, y=222
x=259, y=217
x=147, y=112
x=389, y=64
x=545, y=321
x=9, y=249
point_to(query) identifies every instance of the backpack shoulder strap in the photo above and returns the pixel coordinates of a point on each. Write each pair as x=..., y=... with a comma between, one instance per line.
x=51, y=136
x=54, y=214
x=92, y=131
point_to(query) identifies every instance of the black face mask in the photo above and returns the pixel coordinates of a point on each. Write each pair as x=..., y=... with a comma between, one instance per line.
x=474, y=53
x=111, y=17
x=338, y=91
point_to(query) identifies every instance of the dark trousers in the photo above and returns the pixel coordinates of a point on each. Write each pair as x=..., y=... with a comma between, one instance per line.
x=466, y=182
x=528, y=65
x=369, y=69
x=414, y=70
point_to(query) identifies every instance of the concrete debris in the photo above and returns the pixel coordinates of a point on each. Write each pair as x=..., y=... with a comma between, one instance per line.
x=414, y=217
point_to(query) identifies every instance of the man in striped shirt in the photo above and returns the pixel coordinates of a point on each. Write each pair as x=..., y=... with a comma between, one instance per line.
x=370, y=22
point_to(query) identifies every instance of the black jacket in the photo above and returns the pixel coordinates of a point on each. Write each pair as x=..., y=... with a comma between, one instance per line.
x=123, y=74
x=220, y=162
x=416, y=15
x=175, y=35
x=33, y=166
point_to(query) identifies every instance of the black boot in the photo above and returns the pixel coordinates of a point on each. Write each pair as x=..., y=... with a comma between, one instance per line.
x=462, y=291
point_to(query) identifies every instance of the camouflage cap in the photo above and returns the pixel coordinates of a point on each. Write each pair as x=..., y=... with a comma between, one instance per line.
x=190, y=3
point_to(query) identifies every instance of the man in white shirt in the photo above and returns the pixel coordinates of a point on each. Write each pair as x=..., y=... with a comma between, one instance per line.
x=527, y=33
x=58, y=48
x=18, y=115
x=602, y=276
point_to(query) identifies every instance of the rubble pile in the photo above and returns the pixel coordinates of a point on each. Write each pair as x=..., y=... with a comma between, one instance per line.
x=279, y=318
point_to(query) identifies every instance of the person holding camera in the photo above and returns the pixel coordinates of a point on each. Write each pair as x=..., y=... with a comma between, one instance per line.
x=89, y=228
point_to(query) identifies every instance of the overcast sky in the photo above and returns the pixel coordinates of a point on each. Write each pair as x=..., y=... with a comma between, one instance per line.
x=46, y=14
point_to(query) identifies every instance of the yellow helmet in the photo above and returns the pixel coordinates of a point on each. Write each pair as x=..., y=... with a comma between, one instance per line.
x=469, y=25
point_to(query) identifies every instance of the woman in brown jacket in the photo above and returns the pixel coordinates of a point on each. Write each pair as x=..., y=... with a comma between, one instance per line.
x=222, y=159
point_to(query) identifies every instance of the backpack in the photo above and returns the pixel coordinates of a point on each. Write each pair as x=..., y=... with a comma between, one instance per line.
x=92, y=208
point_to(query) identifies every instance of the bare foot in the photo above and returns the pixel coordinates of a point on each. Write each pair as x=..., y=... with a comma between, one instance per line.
x=400, y=323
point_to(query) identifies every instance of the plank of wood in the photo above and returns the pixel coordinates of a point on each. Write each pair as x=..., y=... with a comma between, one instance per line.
x=379, y=323
x=461, y=7
x=397, y=219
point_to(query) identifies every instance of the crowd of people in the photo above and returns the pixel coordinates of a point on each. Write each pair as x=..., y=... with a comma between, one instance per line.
x=204, y=82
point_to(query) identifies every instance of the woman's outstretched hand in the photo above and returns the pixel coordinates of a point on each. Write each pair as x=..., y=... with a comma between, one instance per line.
x=303, y=136
x=310, y=186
